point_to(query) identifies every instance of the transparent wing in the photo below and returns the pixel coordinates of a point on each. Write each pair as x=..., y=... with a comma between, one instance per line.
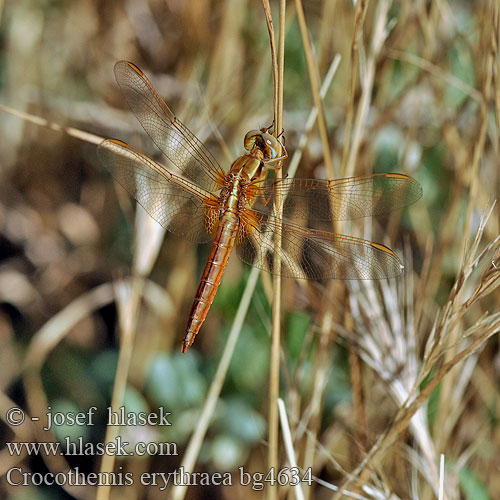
x=175, y=203
x=171, y=136
x=341, y=199
x=312, y=254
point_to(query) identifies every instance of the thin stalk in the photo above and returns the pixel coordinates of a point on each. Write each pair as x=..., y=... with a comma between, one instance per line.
x=278, y=78
x=43, y=122
x=322, y=360
x=436, y=72
x=315, y=87
x=322, y=367
x=41, y=346
x=322, y=351
x=378, y=38
x=311, y=119
x=290, y=452
x=274, y=60
x=441, y=477
x=128, y=330
x=479, y=146
x=292, y=168
x=194, y=445
x=359, y=18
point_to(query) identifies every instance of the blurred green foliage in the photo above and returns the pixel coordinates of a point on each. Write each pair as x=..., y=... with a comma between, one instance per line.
x=473, y=488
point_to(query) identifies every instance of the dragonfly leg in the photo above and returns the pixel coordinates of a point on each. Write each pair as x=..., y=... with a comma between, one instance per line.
x=267, y=129
x=284, y=156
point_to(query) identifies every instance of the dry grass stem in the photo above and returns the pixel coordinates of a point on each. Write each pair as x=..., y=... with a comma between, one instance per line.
x=278, y=71
x=359, y=19
x=42, y=122
x=287, y=438
x=196, y=441
x=367, y=76
x=315, y=87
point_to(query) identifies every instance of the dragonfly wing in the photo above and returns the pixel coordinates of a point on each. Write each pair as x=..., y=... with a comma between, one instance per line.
x=342, y=199
x=171, y=136
x=312, y=254
x=175, y=203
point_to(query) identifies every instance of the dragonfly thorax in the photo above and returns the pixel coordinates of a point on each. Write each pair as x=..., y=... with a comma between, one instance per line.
x=233, y=194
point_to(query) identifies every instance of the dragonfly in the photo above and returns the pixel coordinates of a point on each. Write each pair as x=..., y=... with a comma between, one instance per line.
x=197, y=199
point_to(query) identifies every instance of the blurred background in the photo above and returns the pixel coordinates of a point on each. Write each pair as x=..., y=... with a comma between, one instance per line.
x=423, y=100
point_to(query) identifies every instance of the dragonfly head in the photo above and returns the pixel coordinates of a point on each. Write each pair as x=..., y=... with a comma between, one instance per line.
x=266, y=143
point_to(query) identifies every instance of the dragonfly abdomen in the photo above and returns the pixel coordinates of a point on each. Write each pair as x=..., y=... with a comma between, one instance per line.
x=211, y=277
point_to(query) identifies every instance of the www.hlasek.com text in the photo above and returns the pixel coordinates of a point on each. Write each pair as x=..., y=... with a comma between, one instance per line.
x=118, y=447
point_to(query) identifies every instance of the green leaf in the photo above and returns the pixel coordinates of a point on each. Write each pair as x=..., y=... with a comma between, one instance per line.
x=227, y=452
x=471, y=485
x=242, y=421
x=296, y=329
x=175, y=381
x=72, y=431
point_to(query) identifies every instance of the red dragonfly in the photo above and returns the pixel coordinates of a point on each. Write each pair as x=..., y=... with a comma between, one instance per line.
x=236, y=209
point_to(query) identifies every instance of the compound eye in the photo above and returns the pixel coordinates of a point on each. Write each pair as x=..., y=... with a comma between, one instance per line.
x=250, y=138
x=271, y=145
